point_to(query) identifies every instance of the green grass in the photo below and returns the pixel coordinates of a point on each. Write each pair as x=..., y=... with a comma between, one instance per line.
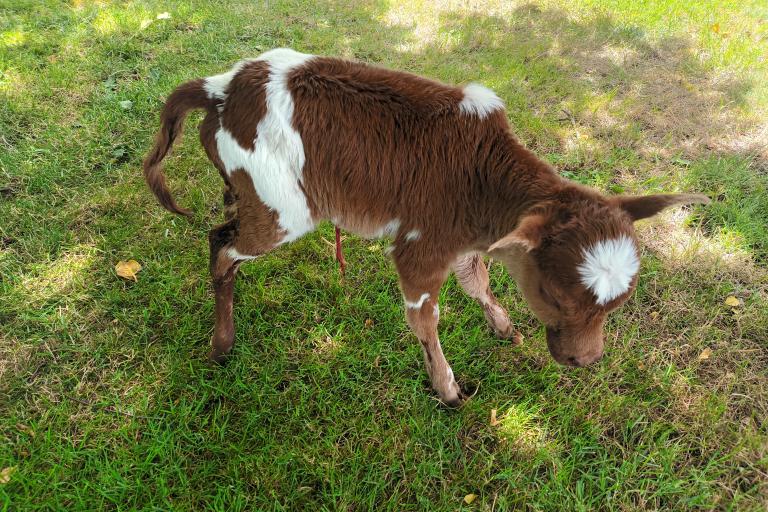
x=106, y=401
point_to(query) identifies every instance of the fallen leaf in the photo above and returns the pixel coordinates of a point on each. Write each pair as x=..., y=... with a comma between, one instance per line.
x=732, y=301
x=654, y=315
x=469, y=498
x=144, y=24
x=5, y=474
x=705, y=354
x=494, y=421
x=126, y=104
x=368, y=323
x=164, y=16
x=25, y=429
x=716, y=28
x=128, y=269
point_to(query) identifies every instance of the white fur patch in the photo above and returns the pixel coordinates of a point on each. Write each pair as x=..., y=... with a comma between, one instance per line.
x=276, y=162
x=216, y=86
x=412, y=235
x=238, y=256
x=417, y=305
x=480, y=100
x=390, y=229
x=609, y=267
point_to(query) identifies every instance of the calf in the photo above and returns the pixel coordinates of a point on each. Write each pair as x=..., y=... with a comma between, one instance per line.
x=299, y=139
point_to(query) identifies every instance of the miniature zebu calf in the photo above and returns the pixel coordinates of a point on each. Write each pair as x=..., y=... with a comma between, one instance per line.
x=299, y=139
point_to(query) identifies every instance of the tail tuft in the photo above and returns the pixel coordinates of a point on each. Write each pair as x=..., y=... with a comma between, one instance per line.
x=186, y=97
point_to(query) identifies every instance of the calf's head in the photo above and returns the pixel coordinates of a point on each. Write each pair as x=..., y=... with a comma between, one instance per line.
x=575, y=260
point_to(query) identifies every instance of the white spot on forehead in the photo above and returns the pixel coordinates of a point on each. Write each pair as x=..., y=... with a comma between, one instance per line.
x=417, y=305
x=275, y=164
x=609, y=267
x=480, y=100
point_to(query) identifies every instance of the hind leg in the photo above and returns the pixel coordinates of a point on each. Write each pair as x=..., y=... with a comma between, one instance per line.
x=223, y=271
x=252, y=230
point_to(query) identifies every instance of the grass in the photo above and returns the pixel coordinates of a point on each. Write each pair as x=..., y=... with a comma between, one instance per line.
x=106, y=401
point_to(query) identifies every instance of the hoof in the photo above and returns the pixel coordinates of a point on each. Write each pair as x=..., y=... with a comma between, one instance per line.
x=218, y=357
x=499, y=322
x=508, y=333
x=455, y=403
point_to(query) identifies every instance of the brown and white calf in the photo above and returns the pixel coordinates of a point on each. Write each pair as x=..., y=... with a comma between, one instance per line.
x=299, y=139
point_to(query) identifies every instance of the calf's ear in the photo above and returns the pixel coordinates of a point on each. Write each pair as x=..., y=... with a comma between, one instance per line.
x=528, y=233
x=642, y=207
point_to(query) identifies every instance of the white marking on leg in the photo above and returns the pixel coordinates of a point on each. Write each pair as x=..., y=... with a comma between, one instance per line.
x=276, y=162
x=418, y=303
x=412, y=235
x=609, y=267
x=480, y=100
x=238, y=256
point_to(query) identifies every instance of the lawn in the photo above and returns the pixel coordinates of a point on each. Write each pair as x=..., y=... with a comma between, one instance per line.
x=107, y=401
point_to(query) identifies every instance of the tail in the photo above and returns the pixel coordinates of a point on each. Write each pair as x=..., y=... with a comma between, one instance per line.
x=186, y=97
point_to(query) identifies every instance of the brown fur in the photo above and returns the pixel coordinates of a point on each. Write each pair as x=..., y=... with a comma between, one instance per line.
x=383, y=145
x=186, y=97
x=246, y=88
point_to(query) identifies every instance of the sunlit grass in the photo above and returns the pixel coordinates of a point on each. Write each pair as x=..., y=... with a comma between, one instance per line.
x=12, y=37
x=68, y=273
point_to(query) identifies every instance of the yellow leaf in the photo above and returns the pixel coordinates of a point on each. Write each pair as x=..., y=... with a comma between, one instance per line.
x=128, y=269
x=469, y=498
x=705, y=354
x=732, y=301
x=716, y=28
x=494, y=421
x=25, y=429
x=654, y=314
x=5, y=474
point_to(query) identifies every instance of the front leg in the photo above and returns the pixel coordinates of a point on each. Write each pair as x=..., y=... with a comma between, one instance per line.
x=423, y=314
x=472, y=276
